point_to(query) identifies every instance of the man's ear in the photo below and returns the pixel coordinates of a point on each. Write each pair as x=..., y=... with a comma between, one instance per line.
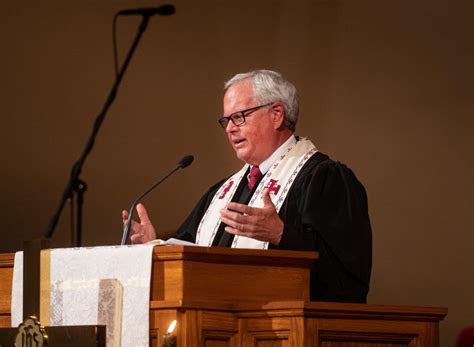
x=278, y=115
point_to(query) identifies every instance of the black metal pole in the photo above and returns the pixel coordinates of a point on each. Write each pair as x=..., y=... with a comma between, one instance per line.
x=80, y=189
x=74, y=180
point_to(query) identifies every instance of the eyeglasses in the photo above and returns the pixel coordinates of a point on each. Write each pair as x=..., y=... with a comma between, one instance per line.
x=238, y=118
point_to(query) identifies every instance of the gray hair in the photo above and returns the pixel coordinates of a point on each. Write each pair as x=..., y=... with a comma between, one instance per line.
x=270, y=86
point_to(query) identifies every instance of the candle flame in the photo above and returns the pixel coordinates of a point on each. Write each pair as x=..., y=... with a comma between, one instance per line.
x=171, y=327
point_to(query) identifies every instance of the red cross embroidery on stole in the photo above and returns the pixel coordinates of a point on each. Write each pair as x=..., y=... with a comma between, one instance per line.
x=226, y=190
x=273, y=187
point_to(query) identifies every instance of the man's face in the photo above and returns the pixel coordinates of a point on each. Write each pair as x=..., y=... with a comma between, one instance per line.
x=256, y=139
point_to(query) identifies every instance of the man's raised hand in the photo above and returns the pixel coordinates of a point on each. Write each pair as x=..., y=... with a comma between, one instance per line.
x=141, y=232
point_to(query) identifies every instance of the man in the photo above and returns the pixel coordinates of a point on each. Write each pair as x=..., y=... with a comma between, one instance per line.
x=288, y=195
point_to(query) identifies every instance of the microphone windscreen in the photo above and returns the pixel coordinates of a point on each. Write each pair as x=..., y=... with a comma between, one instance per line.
x=186, y=161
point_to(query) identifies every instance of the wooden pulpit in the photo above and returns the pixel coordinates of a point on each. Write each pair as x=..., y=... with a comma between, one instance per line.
x=241, y=297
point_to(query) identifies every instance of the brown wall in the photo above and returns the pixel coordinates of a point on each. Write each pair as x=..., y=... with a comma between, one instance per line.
x=385, y=86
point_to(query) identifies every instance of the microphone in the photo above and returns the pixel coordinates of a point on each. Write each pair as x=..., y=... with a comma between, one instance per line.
x=186, y=161
x=183, y=163
x=163, y=10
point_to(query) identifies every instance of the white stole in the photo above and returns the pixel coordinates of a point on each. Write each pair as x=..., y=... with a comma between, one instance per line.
x=278, y=180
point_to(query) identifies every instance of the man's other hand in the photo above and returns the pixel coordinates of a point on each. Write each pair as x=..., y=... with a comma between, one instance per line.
x=262, y=224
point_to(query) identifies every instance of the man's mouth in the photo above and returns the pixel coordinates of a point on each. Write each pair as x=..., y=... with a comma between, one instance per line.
x=238, y=141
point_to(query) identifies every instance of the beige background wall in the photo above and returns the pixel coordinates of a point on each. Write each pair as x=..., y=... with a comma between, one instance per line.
x=385, y=86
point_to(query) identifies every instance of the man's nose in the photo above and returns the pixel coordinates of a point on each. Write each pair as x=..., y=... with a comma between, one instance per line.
x=231, y=127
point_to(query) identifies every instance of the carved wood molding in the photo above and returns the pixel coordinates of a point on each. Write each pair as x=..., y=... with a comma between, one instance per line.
x=364, y=337
x=344, y=311
x=234, y=256
x=6, y=259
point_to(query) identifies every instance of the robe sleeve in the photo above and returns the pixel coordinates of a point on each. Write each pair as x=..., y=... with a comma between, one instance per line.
x=327, y=213
x=187, y=230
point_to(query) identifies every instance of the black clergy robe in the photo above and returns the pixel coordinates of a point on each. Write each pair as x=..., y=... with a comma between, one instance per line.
x=325, y=211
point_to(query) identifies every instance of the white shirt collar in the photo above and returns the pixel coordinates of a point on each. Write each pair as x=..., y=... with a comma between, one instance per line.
x=267, y=163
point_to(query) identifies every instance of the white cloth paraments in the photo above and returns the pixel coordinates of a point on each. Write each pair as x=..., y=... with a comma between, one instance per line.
x=76, y=274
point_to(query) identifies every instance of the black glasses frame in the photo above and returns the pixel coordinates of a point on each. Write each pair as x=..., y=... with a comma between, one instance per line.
x=238, y=118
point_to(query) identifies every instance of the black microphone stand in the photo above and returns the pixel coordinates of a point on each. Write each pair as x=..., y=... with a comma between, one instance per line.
x=75, y=184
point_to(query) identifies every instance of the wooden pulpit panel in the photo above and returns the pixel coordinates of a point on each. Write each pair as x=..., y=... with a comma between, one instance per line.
x=6, y=276
x=319, y=324
x=230, y=275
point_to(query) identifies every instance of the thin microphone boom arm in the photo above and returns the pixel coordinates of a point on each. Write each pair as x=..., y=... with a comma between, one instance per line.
x=77, y=167
x=185, y=162
x=164, y=10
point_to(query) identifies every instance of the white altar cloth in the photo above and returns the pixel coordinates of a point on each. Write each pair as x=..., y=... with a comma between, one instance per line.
x=75, y=277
